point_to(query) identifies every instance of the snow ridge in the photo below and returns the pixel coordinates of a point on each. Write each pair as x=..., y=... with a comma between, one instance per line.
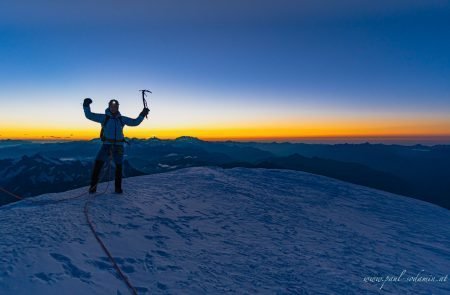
x=208, y=230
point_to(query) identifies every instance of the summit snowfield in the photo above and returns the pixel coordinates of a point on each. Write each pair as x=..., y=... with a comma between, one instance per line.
x=208, y=230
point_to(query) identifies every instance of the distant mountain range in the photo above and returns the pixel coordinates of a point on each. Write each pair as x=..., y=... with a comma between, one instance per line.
x=418, y=171
x=35, y=175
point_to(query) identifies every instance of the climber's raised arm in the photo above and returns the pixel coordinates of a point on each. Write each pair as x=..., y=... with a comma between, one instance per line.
x=135, y=122
x=99, y=118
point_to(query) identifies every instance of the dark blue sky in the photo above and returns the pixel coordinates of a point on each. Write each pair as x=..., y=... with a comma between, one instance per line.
x=340, y=58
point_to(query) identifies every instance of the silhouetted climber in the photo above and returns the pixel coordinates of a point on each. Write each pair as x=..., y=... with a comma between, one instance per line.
x=113, y=140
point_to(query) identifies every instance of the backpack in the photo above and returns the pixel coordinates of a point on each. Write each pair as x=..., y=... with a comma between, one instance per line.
x=102, y=136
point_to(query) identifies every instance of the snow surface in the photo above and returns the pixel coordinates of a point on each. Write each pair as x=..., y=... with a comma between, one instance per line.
x=208, y=230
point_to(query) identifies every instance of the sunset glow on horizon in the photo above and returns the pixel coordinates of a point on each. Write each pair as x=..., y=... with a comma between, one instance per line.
x=218, y=125
x=363, y=131
x=287, y=71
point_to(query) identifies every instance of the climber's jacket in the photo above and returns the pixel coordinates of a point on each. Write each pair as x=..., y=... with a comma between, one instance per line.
x=112, y=125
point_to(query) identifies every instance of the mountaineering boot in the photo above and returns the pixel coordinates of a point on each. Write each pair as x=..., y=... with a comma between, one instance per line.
x=95, y=175
x=118, y=179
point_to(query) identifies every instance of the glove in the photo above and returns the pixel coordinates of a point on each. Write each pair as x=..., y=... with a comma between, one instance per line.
x=145, y=112
x=87, y=102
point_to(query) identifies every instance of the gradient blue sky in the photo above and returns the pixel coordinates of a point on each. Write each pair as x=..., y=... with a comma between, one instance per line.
x=228, y=62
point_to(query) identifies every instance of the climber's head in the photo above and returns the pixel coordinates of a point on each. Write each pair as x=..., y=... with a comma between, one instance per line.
x=113, y=106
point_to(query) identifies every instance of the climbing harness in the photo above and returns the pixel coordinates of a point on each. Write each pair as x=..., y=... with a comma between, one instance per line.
x=107, y=117
x=102, y=136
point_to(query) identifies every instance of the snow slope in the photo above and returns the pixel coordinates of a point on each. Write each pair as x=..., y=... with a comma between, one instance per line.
x=208, y=230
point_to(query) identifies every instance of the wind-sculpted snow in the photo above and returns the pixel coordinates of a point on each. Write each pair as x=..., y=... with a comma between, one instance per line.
x=238, y=231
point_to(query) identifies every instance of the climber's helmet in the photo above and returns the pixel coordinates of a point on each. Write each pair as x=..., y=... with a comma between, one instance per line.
x=113, y=106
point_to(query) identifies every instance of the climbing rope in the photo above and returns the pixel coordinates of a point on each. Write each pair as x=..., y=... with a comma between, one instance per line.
x=90, y=223
x=46, y=202
x=40, y=202
x=10, y=193
x=99, y=240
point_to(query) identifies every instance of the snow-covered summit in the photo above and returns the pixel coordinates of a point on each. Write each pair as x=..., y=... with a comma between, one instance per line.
x=209, y=230
x=188, y=139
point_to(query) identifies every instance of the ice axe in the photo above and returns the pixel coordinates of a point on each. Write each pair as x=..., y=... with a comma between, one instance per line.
x=144, y=94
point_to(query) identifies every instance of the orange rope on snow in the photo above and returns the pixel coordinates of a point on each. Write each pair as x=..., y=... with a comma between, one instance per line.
x=100, y=242
x=91, y=226
x=11, y=194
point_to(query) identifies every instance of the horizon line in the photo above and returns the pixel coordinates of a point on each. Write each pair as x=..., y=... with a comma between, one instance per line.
x=419, y=139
